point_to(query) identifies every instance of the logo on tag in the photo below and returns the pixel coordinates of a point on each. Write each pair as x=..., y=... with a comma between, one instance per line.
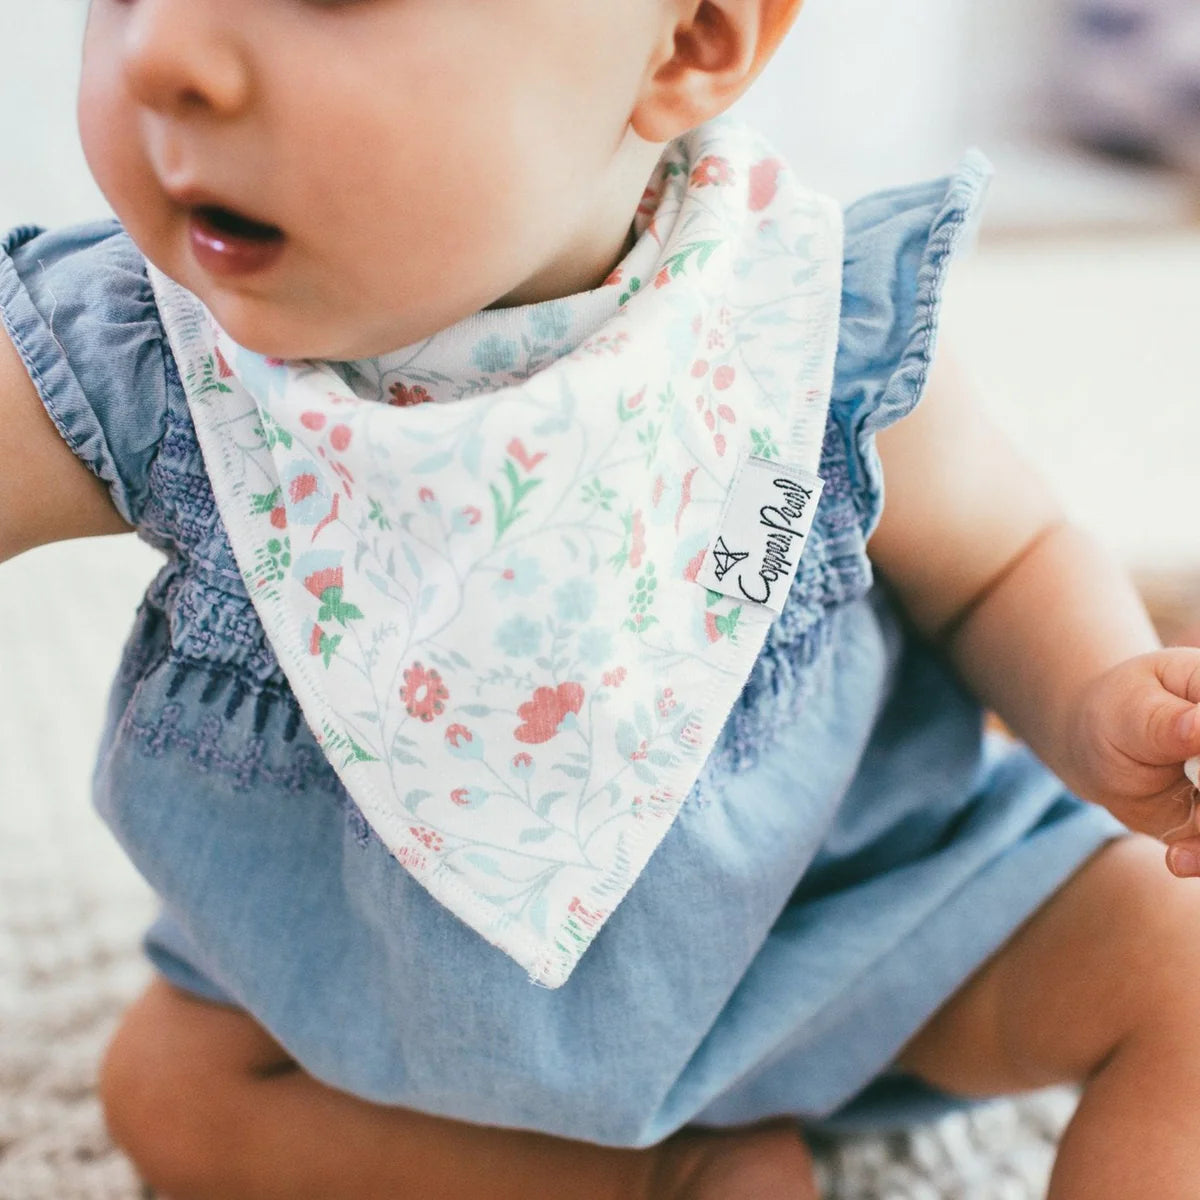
x=761, y=534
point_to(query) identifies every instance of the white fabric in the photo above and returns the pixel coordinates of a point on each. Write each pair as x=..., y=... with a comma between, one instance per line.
x=498, y=594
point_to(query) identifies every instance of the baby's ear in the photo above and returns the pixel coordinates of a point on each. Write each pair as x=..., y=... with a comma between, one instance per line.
x=710, y=54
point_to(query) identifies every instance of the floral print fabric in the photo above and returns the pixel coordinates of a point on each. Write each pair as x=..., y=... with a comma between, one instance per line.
x=478, y=558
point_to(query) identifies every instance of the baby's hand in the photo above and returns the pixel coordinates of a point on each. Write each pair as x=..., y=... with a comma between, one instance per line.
x=1135, y=727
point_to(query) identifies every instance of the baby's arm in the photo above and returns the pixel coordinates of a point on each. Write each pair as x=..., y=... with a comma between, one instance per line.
x=46, y=493
x=1029, y=607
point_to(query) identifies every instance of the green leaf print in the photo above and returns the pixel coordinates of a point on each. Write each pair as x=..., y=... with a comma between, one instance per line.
x=762, y=444
x=274, y=433
x=205, y=380
x=677, y=263
x=265, y=502
x=333, y=608
x=506, y=509
x=329, y=645
x=377, y=515
x=728, y=624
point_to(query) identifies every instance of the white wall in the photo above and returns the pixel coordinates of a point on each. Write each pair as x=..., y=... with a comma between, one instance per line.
x=867, y=93
x=43, y=177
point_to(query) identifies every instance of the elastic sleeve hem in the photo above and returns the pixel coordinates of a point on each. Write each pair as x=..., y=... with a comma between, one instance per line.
x=38, y=337
x=933, y=231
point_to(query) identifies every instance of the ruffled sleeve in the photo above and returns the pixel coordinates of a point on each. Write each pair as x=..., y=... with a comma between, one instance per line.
x=899, y=244
x=79, y=308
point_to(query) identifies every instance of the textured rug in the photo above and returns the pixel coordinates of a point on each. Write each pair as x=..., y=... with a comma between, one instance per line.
x=72, y=910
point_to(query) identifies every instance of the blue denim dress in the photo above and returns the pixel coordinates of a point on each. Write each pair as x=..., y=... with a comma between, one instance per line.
x=856, y=846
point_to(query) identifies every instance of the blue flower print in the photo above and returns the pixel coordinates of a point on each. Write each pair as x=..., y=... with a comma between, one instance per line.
x=595, y=646
x=551, y=322
x=468, y=797
x=519, y=637
x=494, y=353
x=576, y=599
x=519, y=576
x=306, y=493
x=262, y=376
x=463, y=743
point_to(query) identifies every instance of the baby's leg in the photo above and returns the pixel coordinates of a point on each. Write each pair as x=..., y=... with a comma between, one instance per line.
x=1102, y=987
x=209, y=1107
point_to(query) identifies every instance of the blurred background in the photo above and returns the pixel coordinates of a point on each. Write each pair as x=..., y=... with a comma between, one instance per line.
x=1077, y=318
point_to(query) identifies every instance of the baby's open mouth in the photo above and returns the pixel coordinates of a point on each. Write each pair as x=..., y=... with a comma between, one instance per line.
x=224, y=221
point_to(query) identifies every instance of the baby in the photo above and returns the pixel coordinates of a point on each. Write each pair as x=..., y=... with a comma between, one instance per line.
x=515, y=427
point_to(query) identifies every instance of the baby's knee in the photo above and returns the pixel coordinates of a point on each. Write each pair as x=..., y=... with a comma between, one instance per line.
x=147, y=1116
x=162, y=1105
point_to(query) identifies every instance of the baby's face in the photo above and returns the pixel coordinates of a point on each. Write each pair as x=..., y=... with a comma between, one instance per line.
x=418, y=160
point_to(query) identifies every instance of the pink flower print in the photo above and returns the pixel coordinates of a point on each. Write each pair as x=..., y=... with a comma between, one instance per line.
x=648, y=205
x=614, y=278
x=302, y=487
x=424, y=694
x=662, y=278
x=314, y=641
x=613, y=678
x=331, y=516
x=699, y=368
x=726, y=414
x=693, y=568
x=657, y=494
x=666, y=702
x=685, y=495
x=522, y=765
x=464, y=518
x=710, y=627
x=279, y=517
x=723, y=377
x=318, y=581
x=414, y=860
x=468, y=797
x=634, y=401
x=712, y=169
x=764, y=181
x=462, y=743
x=549, y=707
x=405, y=397
x=426, y=837
x=427, y=498
x=719, y=444
x=589, y=918
x=223, y=371
x=339, y=437
x=639, y=540
x=516, y=449
x=347, y=478
x=313, y=420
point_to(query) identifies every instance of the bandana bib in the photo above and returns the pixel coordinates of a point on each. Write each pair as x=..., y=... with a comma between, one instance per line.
x=517, y=600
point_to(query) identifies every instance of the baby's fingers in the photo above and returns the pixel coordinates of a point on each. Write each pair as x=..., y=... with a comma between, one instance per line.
x=1183, y=857
x=1183, y=844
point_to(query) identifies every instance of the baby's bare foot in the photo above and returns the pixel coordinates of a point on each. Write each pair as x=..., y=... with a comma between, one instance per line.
x=764, y=1162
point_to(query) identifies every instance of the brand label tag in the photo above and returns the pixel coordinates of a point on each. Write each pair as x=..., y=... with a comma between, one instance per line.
x=762, y=531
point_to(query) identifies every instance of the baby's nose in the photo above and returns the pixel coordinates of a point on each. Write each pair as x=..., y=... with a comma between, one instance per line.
x=184, y=56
